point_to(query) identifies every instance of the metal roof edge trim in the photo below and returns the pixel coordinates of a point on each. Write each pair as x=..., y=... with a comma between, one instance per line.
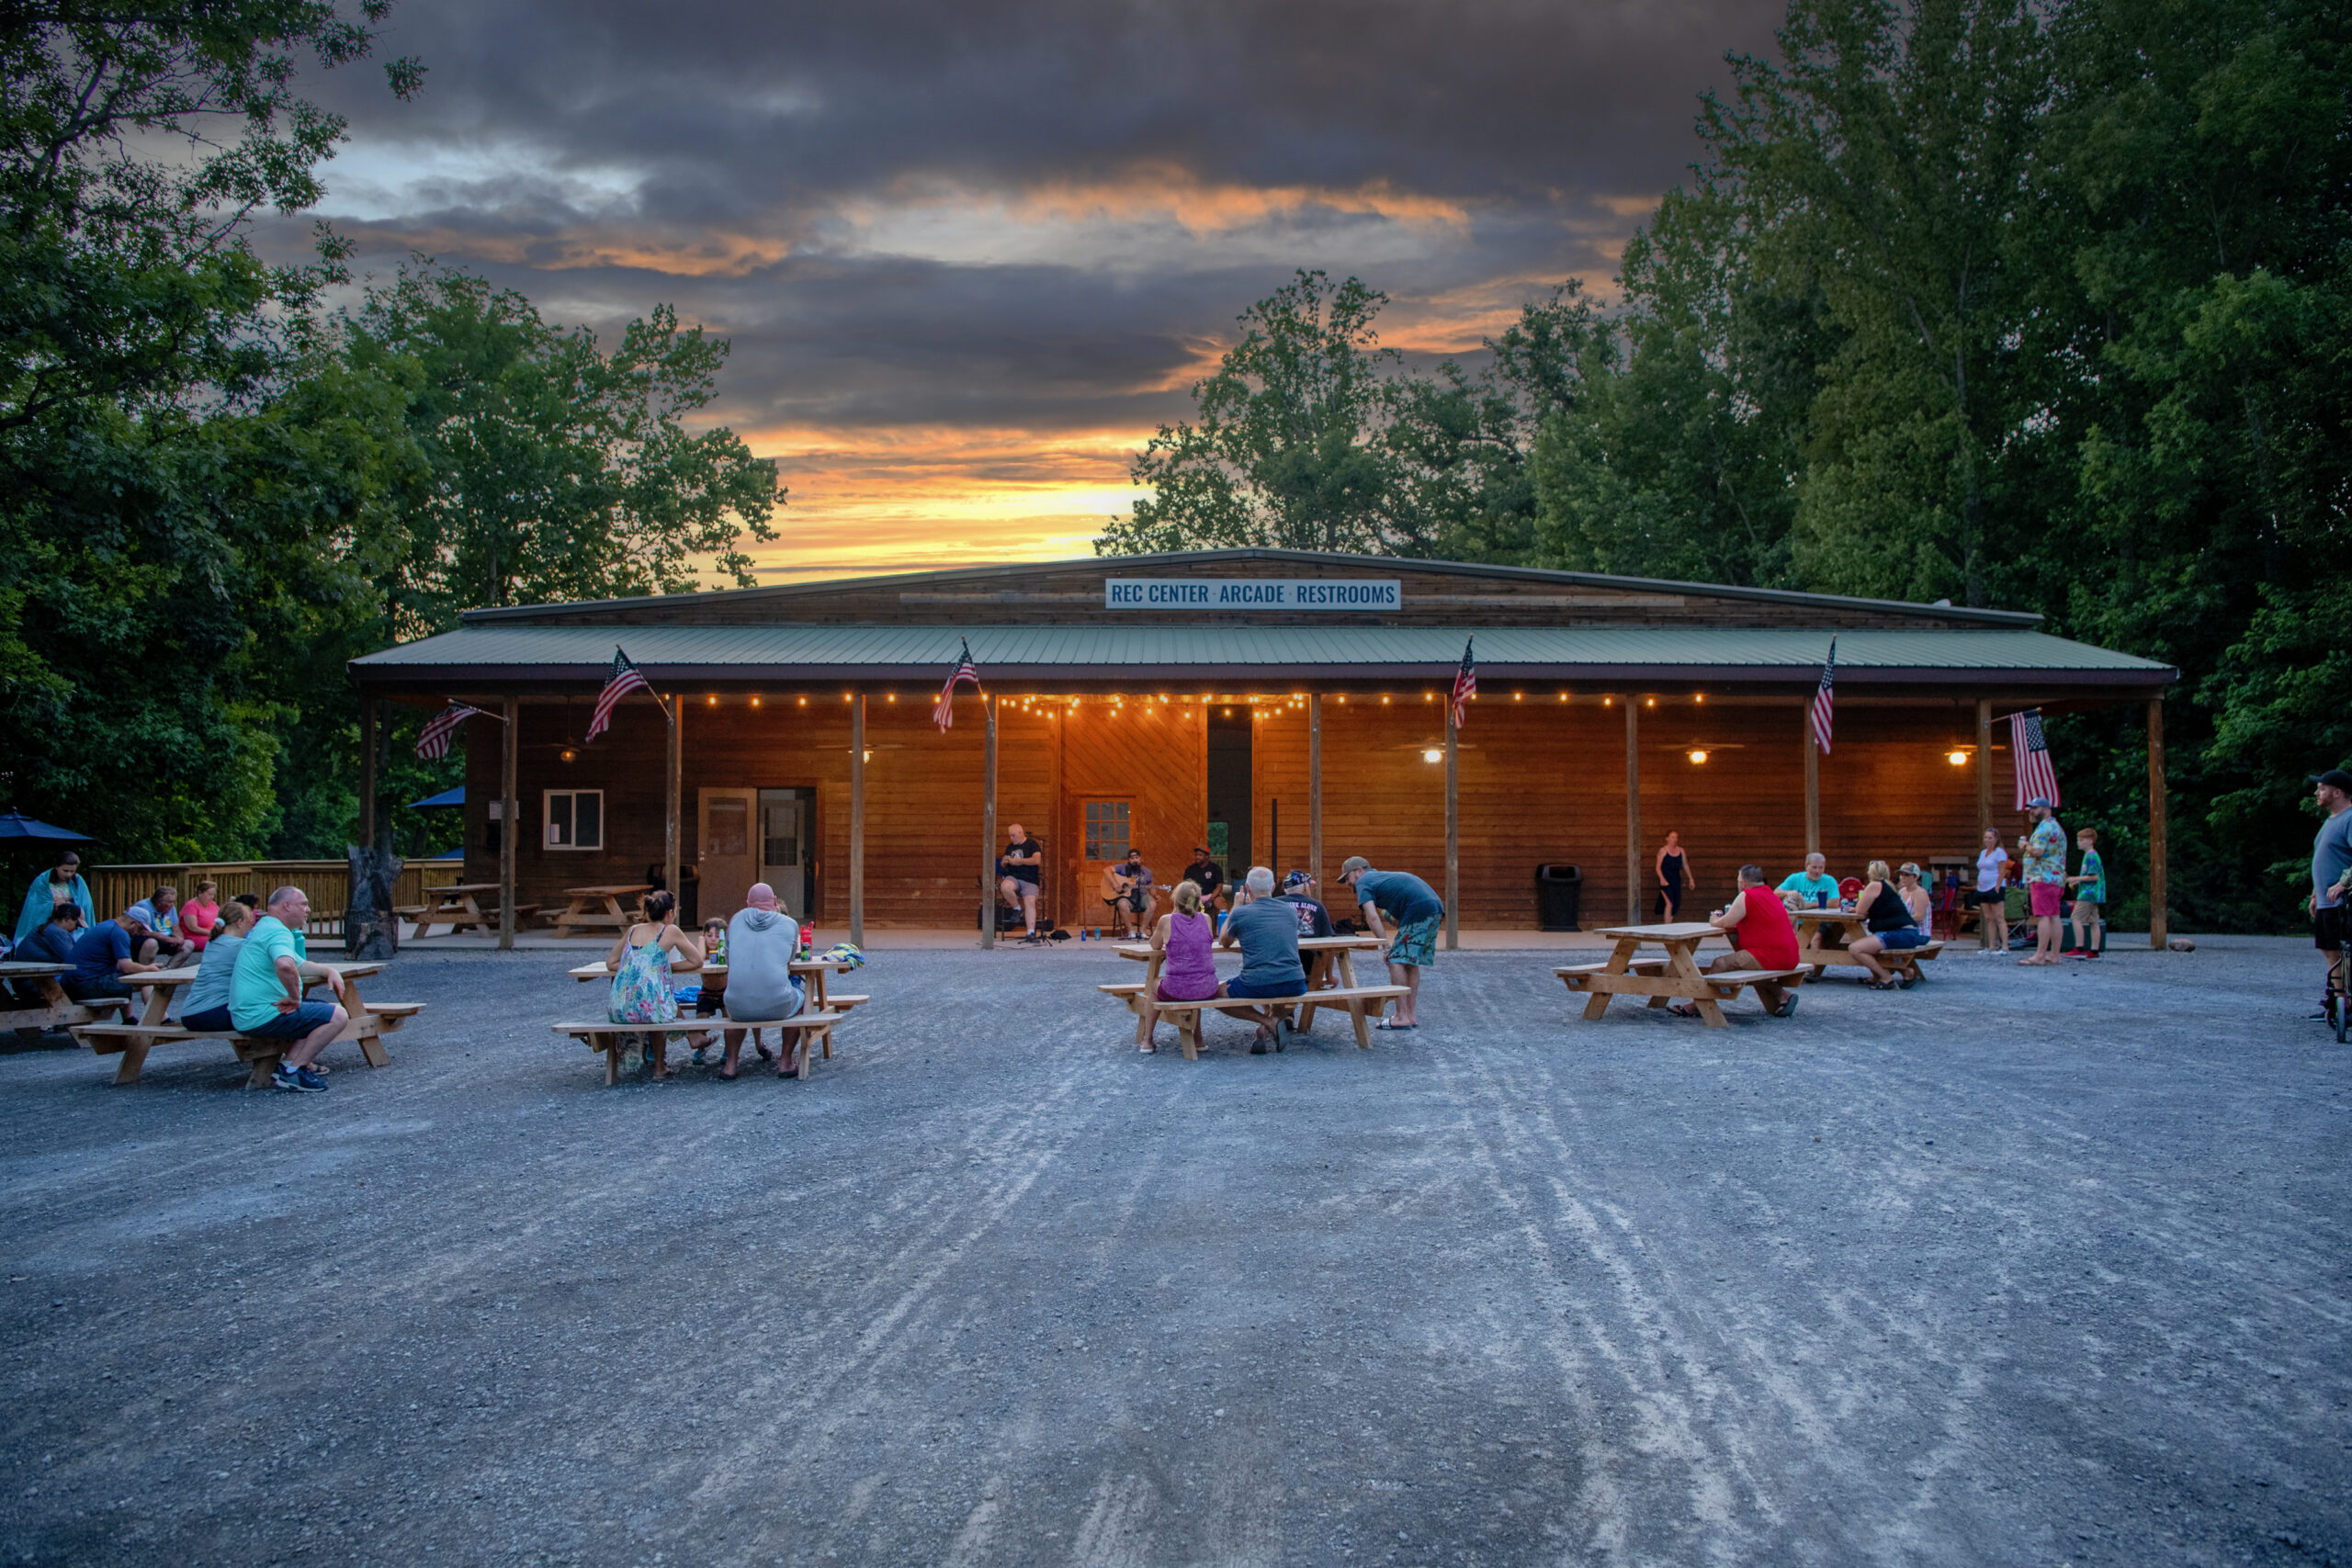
x=1722, y=674
x=589, y=607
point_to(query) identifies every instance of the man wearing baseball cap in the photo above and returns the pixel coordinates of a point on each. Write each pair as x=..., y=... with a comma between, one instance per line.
x=2331, y=863
x=1206, y=875
x=2045, y=879
x=1298, y=892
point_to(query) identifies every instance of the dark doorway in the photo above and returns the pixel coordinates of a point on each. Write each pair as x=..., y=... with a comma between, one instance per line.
x=1230, y=786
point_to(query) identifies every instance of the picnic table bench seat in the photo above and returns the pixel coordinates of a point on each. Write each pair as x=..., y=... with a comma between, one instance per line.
x=133, y=1041
x=1186, y=1016
x=60, y=1013
x=816, y=1028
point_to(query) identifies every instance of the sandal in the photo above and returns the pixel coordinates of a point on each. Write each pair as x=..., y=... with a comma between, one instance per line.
x=1384, y=1023
x=1682, y=1009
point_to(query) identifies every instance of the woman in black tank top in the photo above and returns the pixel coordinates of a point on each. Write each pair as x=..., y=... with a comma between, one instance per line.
x=1888, y=921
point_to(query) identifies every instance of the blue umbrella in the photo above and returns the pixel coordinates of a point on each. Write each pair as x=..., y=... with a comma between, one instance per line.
x=446, y=797
x=16, y=825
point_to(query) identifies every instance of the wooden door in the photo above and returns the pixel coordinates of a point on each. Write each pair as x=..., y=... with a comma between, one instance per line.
x=725, y=854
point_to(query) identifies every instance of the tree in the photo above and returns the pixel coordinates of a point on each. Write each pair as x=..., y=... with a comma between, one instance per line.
x=555, y=472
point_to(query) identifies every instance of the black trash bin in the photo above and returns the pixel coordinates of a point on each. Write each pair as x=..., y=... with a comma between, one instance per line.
x=1559, y=890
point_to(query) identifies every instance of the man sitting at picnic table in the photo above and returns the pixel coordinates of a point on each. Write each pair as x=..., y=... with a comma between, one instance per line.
x=1762, y=937
x=1812, y=888
x=101, y=958
x=761, y=942
x=158, y=934
x=266, y=993
x=1416, y=909
x=1298, y=892
x=52, y=943
x=1267, y=931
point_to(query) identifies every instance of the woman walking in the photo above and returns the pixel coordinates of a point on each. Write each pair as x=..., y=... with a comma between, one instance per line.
x=1674, y=873
x=640, y=964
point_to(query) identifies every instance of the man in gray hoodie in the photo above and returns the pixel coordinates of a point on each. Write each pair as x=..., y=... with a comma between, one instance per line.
x=761, y=942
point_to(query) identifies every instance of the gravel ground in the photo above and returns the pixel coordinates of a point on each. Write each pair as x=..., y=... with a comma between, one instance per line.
x=2019, y=1266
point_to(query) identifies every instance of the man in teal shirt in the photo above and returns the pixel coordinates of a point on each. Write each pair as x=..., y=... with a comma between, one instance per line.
x=266, y=993
x=1812, y=888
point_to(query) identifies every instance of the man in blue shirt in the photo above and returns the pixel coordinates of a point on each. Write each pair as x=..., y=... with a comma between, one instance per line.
x=1267, y=931
x=1416, y=909
x=2331, y=864
x=1812, y=888
x=101, y=959
x=266, y=993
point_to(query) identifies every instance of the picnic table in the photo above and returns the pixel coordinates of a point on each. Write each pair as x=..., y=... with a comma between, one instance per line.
x=57, y=1009
x=713, y=977
x=365, y=1025
x=1677, y=976
x=1823, y=936
x=1329, y=962
x=454, y=905
x=611, y=918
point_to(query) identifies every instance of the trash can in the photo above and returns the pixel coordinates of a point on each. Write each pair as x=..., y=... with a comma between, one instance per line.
x=1559, y=889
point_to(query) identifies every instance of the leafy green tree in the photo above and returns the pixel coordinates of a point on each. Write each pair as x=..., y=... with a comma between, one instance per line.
x=555, y=472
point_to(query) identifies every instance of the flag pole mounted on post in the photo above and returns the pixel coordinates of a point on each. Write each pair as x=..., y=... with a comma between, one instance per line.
x=964, y=673
x=433, y=741
x=2030, y=750
x=1817, y=725
x=626, y=677
x=1466, y=686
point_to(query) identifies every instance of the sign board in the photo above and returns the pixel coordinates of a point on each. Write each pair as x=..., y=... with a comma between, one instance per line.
x=1252, y=593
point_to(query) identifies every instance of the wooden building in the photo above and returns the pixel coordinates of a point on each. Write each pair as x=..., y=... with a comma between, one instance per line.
x=1286, y=706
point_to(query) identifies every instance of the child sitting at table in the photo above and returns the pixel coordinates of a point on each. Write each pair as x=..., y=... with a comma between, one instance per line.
x=705, y=999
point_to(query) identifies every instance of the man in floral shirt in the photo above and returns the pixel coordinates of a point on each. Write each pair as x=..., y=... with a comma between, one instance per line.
x=2045, y=880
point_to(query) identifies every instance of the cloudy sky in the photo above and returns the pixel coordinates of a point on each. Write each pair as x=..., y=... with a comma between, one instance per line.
x=969, y=254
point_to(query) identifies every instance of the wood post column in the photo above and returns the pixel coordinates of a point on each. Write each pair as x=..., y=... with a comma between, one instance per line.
x=368, y=787
x=857, y=818
x=1984, y=764
x=1315, y=789
x=508, y=826
x=1453, y=837
x=673, y=782
x=987, y=828
x=1632, y=810
x=2159, y=921
x=1811, y=778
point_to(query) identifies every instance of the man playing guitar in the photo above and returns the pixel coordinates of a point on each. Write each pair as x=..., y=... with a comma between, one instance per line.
x=1127, y=893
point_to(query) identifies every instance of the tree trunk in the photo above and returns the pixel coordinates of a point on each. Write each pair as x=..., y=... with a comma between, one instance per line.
x=371, y=930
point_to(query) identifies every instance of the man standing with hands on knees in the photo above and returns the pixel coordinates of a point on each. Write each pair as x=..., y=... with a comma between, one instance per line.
x=1416, y=909
x=266, y=993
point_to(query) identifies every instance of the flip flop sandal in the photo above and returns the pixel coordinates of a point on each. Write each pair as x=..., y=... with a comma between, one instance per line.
x=1384, y=1023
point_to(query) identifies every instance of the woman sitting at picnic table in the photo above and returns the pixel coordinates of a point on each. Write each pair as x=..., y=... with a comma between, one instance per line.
x=204, y=1006
x=1188, y=972
x=1893, y=918
x=640, y=961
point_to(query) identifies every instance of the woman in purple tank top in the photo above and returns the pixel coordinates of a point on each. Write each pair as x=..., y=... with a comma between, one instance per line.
x=1187, y=974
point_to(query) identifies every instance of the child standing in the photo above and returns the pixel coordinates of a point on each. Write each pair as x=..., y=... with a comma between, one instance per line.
x=2090, y=895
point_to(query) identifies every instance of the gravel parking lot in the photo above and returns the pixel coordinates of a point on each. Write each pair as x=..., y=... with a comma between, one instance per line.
x=2019, y=1266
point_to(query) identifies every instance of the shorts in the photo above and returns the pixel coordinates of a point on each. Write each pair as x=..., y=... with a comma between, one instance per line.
x=293, y=1025
x=1280, y=991
x=1022, y=888
x=1416, y=943
x=2086, y=908
x=1990, y=897
x=82, y=991
x=1898, y=941
x=2329, y=927
x=1135, y=902
x=212, y=1021
x=2047, y=897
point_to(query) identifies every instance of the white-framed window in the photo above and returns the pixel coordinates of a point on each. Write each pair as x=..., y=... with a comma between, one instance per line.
x=575, y=819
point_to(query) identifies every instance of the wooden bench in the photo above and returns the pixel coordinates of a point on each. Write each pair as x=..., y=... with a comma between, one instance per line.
x=1905, y=960
x=1726, y=984
x=1186, y=1016
x=133, y=1041
x=60, y=1013
x=816, y=1030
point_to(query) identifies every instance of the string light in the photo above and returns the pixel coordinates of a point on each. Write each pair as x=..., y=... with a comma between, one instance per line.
x=804, y=702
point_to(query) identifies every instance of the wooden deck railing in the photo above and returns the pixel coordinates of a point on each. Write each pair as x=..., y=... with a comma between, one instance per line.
x=328, y=882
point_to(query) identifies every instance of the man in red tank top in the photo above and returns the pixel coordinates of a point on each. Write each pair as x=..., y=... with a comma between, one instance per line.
x=1763, y=937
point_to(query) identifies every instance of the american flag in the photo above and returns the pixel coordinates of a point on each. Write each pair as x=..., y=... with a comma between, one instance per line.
x=1465, y=685
x=433, y=743
x=1821, y=700
x=966, y=672
x=2030, y=752
x=623, y=680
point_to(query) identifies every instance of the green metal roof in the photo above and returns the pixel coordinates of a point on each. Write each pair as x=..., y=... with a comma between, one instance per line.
x=783, y=653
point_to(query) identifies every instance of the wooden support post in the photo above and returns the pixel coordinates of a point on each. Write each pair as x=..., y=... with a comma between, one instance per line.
x=1812, y=777
x=2159, y=921
x=368, y=786
x=988, y=830
x=1452, y=838
x=857, y=819
x=508, y=823
x=673, y=784
x=1984, y=764
x=1315, y=789
x=1632, y=810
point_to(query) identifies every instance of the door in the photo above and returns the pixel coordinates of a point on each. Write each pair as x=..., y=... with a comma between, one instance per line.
x=1103, y=828
x=786, y=816
x=1228, y=780
x=723, y=852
